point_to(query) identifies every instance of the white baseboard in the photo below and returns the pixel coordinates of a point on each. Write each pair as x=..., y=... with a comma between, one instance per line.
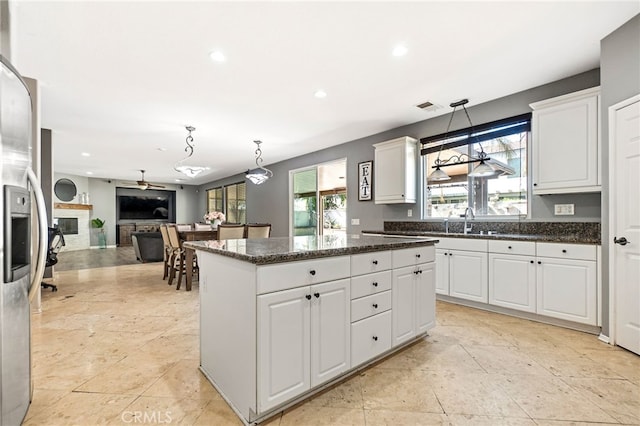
x=98, y=247
x=603, y=338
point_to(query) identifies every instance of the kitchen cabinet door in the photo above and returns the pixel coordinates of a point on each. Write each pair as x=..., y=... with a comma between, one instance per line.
x=330, y=330
x=512, y=281
x=567, y=289
x=442, y=271
x=403, y=304
x=426, y=297
x=284, y=350
x=395, y=167
x=468, y=276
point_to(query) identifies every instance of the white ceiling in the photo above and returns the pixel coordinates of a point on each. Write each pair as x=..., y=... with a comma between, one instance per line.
x=121, y=79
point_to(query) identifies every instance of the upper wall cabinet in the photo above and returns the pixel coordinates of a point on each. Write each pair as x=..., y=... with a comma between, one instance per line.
x=566, y=143
x=395, y=171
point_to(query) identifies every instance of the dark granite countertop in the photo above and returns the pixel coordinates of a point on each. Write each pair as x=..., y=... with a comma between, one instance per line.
x=265, y=251
x=571, y=238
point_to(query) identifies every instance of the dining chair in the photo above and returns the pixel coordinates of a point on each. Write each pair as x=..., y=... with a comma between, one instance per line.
x=258, y=230
x=177, y=262
x=167, y=251
x=201, y=227
x=230, y=231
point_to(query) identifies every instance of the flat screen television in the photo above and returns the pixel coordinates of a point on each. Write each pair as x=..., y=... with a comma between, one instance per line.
x=141, y=207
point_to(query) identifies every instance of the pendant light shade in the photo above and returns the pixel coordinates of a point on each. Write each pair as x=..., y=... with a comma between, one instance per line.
x=259, y=174
x=482, y=170
x=438, y=175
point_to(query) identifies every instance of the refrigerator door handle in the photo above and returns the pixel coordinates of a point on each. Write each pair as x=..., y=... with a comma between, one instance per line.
x=43, y=233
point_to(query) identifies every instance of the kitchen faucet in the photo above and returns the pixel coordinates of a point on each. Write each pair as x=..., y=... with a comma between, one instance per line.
x=473, y=216
x=446, y=226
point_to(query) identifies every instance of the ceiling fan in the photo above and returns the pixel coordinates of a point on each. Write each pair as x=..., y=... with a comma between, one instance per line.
x=142, y=184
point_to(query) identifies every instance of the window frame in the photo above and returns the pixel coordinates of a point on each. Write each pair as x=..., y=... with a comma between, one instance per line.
x=468, y=137
x=225, y=199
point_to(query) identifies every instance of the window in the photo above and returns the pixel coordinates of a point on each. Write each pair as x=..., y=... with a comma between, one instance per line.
x=231, y=200
x=502, y=194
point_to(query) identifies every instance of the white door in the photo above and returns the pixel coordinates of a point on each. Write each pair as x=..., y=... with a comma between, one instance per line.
x=442, y=271
x=330, y=330
x=403, y=304
x=283, y=346
x=468, y=276
x=426, y=297
x=624, y=128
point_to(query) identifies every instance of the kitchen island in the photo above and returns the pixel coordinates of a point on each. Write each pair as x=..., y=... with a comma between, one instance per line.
x=283, y=318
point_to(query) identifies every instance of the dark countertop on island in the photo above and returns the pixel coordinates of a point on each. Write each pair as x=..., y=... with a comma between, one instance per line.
x=570, y=238
x=263, y=251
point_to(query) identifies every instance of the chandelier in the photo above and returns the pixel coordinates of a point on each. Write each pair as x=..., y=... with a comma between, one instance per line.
x=259, y=174
x=483, y=169
x=190, y=171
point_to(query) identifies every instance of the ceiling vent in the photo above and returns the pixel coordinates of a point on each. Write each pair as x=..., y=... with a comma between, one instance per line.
x=429, y=106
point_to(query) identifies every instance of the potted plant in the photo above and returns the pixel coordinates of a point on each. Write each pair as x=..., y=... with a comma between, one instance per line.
x=98, y=224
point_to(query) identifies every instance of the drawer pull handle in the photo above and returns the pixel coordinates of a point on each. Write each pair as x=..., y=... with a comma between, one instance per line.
x=375, y=262
x=446, y=254
x=622, y=241
x=419, y=271
x=375, y=338
x=564, y=251
x=375, y=284
x=308, y=296
x=418, y=255
x=312, y=272
x=375, y=306
x=317, y=295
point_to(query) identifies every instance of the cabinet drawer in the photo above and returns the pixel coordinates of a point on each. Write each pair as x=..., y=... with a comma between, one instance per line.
x=365, y=285
x=370, y=305
x=367, y=263
x=413, y=256
x=525, y=248
x=566, y=251
x=468, y=244
x=370, y=337
x=282, y=276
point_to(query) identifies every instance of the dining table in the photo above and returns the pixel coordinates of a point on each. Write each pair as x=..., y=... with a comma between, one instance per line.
x=190, y=253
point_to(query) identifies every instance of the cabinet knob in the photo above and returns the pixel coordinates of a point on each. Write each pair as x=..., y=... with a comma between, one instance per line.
x=418, y=255
x=446, y=254
x=539, y=263
x=535, y=184
x=375, y=262
x=419, y=271
x=312, y=272
x=375, y=338
x=317, y=295
x=375, y=284
x=564, y=250
x=509, y=247
x=308, y=296
x=532, y=261
x=375, y=306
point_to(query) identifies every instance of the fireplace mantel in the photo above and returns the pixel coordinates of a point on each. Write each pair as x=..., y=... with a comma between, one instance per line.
x=72, y=206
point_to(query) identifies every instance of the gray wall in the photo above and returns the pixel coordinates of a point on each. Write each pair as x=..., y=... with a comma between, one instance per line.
x=269, y=202
x=620, y=66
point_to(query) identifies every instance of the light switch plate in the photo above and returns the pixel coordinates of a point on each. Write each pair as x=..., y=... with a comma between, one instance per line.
x=564, y=209
x=409, y=213
x=355, y=221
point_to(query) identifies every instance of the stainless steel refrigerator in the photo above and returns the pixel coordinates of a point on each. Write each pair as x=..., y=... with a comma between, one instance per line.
x=22, y=260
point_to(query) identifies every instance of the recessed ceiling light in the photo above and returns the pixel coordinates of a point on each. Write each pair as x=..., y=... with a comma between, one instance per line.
x=320, y=94
x=85, y=154
x=178, y=180
x=400, y=50
x=217, y=56
x=162, y=149
x=89, y=173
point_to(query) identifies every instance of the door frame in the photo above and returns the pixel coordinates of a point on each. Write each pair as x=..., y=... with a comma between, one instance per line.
x=613, y=109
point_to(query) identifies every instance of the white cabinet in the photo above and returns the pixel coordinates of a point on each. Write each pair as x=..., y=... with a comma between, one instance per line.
x=512, y=275
x=567, y=283
x=395, y=165
x=566, y=144
x=462, y=268
x=413, y=301
x=303, y=339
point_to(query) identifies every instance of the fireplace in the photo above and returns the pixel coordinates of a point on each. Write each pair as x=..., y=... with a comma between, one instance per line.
x=68, y=225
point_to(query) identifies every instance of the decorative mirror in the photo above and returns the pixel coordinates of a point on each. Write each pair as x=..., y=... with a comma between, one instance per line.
x=65, y=189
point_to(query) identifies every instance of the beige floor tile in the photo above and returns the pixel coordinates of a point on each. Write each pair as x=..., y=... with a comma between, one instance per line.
x=347, y=394
x=401, y=390
x=550, y=398
x=183, y=380
x=571, y=364
x=71, y=371
x=500, y=360
x=217, y=412
x=80, y=408
x=433, y=357
x=173, y=346
x=309, y=415
x=619, y=398
x=160, y=410
x=475, y=420
x=42, y=399
x=474, y=394
x=568, y=423
x=623, y=362
x=395, y=418
x=467, y=335
x=131, y=376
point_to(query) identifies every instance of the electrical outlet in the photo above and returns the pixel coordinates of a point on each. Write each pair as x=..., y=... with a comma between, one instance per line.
x=409, y=213
x=355, y=221
x=564, y=209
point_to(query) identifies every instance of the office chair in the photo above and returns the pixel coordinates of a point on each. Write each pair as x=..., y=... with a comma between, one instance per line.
x=56, y=242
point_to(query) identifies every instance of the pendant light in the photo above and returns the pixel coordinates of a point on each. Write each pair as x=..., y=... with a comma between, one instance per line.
x=260, y=174
x=188, y=170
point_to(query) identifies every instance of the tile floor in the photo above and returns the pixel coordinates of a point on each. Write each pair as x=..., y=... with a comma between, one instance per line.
x=118, y=346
